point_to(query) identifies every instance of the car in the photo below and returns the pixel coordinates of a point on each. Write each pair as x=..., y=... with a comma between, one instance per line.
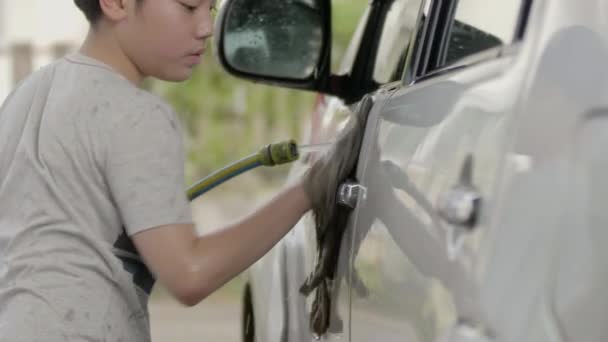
x=475, y=211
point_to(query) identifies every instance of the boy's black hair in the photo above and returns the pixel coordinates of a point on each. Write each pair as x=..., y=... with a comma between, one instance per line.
x=91, y=9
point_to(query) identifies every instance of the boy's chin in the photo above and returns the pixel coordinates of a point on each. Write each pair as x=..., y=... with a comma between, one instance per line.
x=183, y=74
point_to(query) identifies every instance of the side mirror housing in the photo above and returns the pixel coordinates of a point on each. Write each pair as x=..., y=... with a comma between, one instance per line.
x=283, y=42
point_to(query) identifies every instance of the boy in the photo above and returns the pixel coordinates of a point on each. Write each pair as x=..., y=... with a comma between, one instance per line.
x=91, y=184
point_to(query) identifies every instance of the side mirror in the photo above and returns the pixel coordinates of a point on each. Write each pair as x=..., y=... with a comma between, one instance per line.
x=276, y=41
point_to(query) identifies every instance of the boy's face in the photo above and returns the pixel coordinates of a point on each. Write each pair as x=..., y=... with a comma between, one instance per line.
x=166, y=38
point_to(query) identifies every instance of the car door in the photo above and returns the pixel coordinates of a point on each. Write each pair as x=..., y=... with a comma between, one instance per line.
x=373, y=63
x=429, y=166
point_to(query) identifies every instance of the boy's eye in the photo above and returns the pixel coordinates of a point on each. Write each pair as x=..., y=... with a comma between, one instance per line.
x=188, y=7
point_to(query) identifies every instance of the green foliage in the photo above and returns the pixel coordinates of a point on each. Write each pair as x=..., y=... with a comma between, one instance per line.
x=227, y=118
x=345, y=17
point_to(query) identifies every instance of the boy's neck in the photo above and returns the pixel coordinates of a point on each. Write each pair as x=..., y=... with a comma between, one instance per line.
x=103, y=47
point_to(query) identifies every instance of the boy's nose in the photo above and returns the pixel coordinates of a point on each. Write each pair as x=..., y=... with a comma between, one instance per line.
x=205, y=28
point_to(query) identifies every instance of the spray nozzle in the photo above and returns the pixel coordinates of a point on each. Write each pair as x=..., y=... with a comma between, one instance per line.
x=279, y=153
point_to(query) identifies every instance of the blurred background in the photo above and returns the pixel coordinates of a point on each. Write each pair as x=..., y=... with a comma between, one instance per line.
x=212, y=106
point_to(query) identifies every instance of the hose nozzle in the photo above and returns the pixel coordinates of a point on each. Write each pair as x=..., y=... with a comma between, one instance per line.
x=279, y=153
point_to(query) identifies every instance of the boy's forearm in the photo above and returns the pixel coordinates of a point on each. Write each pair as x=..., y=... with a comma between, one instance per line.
x=222, y=255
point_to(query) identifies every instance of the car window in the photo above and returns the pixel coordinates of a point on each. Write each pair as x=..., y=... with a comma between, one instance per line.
x=399, y=23
x=351, y=52
x=348, y=21
x=479, y=25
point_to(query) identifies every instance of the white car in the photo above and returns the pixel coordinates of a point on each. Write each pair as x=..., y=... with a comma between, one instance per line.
x=478, y=197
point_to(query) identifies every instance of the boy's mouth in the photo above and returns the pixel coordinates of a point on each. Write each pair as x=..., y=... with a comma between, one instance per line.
x=198, y=51
x=194, y=58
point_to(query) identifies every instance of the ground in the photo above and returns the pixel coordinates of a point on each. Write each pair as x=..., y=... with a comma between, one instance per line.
x=215, y=319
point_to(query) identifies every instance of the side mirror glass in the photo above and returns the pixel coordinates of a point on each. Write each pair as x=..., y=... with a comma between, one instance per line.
x=276, y=39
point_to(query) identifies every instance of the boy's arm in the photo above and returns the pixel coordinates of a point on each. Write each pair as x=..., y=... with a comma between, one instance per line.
x=193, y=267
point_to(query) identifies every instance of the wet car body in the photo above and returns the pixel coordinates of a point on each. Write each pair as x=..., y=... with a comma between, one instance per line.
x=482, y=176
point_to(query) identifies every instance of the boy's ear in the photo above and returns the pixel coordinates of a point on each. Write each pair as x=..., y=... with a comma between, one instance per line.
x=115, y=10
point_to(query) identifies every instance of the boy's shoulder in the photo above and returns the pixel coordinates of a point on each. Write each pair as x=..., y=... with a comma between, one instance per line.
x=86, y=86
x=100, y=84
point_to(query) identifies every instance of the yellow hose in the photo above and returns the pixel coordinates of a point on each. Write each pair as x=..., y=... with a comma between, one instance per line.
x=270, y=155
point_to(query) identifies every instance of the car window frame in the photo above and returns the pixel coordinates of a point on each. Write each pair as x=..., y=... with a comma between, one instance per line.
x=380, y=30
x=360, y=81
x=416, y=61
x=437, y=41
x=355, y=84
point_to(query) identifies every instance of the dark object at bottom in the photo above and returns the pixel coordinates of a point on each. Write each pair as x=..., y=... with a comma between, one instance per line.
x=338, y=165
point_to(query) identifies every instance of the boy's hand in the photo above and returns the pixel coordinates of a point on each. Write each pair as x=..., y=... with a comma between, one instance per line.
x=319, y=178
x=321, y=181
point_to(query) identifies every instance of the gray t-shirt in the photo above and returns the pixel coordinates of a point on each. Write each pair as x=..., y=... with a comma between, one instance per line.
x=86, y=161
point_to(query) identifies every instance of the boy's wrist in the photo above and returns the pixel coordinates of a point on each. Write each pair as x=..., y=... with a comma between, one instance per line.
x=300, y=197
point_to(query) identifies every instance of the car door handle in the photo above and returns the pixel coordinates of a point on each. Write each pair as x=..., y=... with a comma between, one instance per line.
x=460, y=204
x=349, y=193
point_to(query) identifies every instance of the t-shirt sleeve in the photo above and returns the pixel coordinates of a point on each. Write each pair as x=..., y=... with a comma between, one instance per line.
x=145, y=169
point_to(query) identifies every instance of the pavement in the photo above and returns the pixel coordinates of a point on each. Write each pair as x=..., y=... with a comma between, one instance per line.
x=215, y=319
